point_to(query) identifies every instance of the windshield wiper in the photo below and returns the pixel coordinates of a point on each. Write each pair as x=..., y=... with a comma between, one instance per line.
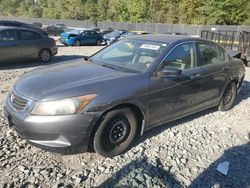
x=111, y=66
x=118, y=68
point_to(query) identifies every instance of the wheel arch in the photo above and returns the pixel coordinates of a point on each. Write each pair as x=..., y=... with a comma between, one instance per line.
x=140, y=117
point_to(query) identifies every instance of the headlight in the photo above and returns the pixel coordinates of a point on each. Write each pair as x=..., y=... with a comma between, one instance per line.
x=63, y=106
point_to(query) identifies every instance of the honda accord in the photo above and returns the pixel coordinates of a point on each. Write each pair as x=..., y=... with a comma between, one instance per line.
x=120, y=92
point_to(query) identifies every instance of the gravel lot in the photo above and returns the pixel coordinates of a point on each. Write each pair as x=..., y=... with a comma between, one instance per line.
x=183, y=153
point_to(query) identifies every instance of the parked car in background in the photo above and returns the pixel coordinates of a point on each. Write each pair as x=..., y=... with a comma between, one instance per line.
x=122, y=91
x=141, y=32
x=128, y=34
x=53, y=30
x=81, y=37
x=23, y=25
x=37, y=24
x=113, y=36
x=18, y=44
x=61, y=26
x=106, y=31
x=132, y=33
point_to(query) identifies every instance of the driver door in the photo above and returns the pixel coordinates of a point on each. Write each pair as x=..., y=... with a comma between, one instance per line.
x=175, y=97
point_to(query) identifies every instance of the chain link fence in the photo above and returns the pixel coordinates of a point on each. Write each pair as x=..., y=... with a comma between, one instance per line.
x=149, y=27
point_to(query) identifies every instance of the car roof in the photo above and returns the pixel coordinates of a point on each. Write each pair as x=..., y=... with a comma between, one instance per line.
x=167, y=38
x=8, y=27
x=11, y=21
x=15, y=28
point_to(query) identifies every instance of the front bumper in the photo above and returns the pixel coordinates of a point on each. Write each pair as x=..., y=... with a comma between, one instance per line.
x=53, y=133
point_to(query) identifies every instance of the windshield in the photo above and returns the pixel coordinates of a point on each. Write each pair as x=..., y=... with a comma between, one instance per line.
x=130, y=55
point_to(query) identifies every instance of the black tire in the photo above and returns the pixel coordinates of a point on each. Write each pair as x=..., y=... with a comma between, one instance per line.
x=77, y=43
x=44, y=55
x=115, y=133
x=228, y=97
x=98, y=42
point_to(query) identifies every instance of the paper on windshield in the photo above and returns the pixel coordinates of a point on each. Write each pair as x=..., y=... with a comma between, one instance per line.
x=150, y=47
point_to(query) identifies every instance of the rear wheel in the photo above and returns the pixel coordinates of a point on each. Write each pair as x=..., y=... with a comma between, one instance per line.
x=77, y=43
x=228, y=97
x=44, y=55
x=115, y=133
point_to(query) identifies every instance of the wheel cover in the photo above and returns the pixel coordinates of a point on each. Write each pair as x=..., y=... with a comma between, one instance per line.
x=117, y=131
x=228, y=96
x=78, y=43
x=45, y=55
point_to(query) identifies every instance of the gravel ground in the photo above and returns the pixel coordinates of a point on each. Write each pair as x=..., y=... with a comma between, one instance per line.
x=183, y=153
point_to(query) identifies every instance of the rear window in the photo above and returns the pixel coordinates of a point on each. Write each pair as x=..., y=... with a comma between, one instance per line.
x=8, y=35
x=29, y=35
x=209, y=53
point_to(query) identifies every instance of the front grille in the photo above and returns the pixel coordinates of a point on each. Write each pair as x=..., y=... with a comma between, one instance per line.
x=18, y=103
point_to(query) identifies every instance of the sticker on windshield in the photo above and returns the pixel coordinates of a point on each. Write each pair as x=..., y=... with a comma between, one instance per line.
x=150, y=46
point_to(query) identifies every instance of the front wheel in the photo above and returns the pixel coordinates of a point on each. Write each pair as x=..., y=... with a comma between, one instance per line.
x=115, y=133
x=228, y=97
x=77, y=43
x=44, y=55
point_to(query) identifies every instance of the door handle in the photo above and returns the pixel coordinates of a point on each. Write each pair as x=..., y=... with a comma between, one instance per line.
x=194, y=76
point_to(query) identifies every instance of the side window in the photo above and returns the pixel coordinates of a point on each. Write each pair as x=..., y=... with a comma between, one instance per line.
x=28, y=35
x=87, y=33
x=224, y=54
x=208, y=54
x=182, y=57
x=92, y=33
x=10, y=35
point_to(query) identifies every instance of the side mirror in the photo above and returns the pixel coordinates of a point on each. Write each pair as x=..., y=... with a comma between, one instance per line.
x=169, y=72
x=86, y=58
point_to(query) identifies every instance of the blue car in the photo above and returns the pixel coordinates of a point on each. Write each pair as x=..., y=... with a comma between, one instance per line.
x=81, y=37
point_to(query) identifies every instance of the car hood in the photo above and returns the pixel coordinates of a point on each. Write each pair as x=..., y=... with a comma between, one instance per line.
x=59, y=81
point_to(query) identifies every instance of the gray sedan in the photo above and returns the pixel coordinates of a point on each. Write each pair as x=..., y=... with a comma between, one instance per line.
x=122, y=91
x=19, y=44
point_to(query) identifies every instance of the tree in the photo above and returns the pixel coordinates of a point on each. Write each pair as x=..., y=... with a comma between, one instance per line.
x=161, y=11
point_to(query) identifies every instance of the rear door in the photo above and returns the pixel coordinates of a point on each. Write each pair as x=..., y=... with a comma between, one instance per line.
x=215, y=67
x=9, y=46
x=30, y=43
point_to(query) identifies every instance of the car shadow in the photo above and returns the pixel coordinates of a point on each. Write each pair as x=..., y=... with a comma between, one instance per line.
x=244, y=93
x=36, y=63
x=238, y=172
x=141, y=173
x=161, y=128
